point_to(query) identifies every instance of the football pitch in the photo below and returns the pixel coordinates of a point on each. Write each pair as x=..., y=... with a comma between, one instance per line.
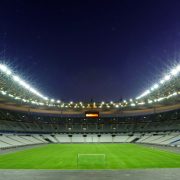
x=90, y=156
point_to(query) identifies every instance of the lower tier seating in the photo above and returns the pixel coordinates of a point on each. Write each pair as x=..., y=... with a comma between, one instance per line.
x=16, y=140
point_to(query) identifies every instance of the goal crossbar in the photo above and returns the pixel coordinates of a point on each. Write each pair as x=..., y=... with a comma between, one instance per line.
x=91, y=155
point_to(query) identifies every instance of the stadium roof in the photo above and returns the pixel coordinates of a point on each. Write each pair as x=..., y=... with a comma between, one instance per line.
x=14, y=89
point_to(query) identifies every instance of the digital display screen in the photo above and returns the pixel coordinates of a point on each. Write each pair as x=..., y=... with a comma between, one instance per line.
x=92, y=114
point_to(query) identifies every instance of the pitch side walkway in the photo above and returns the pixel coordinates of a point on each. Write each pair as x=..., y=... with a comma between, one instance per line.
x=148, y=174
x=167, y=148
x=12, y=150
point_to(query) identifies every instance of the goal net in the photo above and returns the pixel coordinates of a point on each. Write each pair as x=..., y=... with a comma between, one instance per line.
x=91, y=161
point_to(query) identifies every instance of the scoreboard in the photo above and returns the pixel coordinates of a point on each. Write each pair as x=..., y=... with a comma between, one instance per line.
x=91, y=114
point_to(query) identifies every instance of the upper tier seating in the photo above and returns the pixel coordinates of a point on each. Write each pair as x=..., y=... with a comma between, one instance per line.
x=14, y=122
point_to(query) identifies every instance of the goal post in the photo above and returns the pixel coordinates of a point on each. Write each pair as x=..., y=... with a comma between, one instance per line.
x=91, y=161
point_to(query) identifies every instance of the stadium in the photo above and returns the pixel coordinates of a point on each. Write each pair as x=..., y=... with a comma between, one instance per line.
x=41, y=133
x=89, y=90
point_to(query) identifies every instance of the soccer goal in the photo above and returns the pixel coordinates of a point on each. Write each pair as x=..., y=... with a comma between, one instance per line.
x=91, y=161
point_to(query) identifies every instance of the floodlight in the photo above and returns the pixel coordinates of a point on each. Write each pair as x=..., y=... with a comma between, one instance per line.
x=5, y=69
x=167, y=77
x=154, y=87
x=162, y=81
x=16, y=78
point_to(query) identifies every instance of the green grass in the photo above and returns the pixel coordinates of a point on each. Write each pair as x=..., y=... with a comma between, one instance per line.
x=64, y=156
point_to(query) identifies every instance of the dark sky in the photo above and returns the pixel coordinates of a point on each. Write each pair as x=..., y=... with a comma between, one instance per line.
x=78, y=50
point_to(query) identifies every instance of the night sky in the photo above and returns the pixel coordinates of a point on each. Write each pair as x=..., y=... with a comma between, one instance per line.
x=82, y=50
